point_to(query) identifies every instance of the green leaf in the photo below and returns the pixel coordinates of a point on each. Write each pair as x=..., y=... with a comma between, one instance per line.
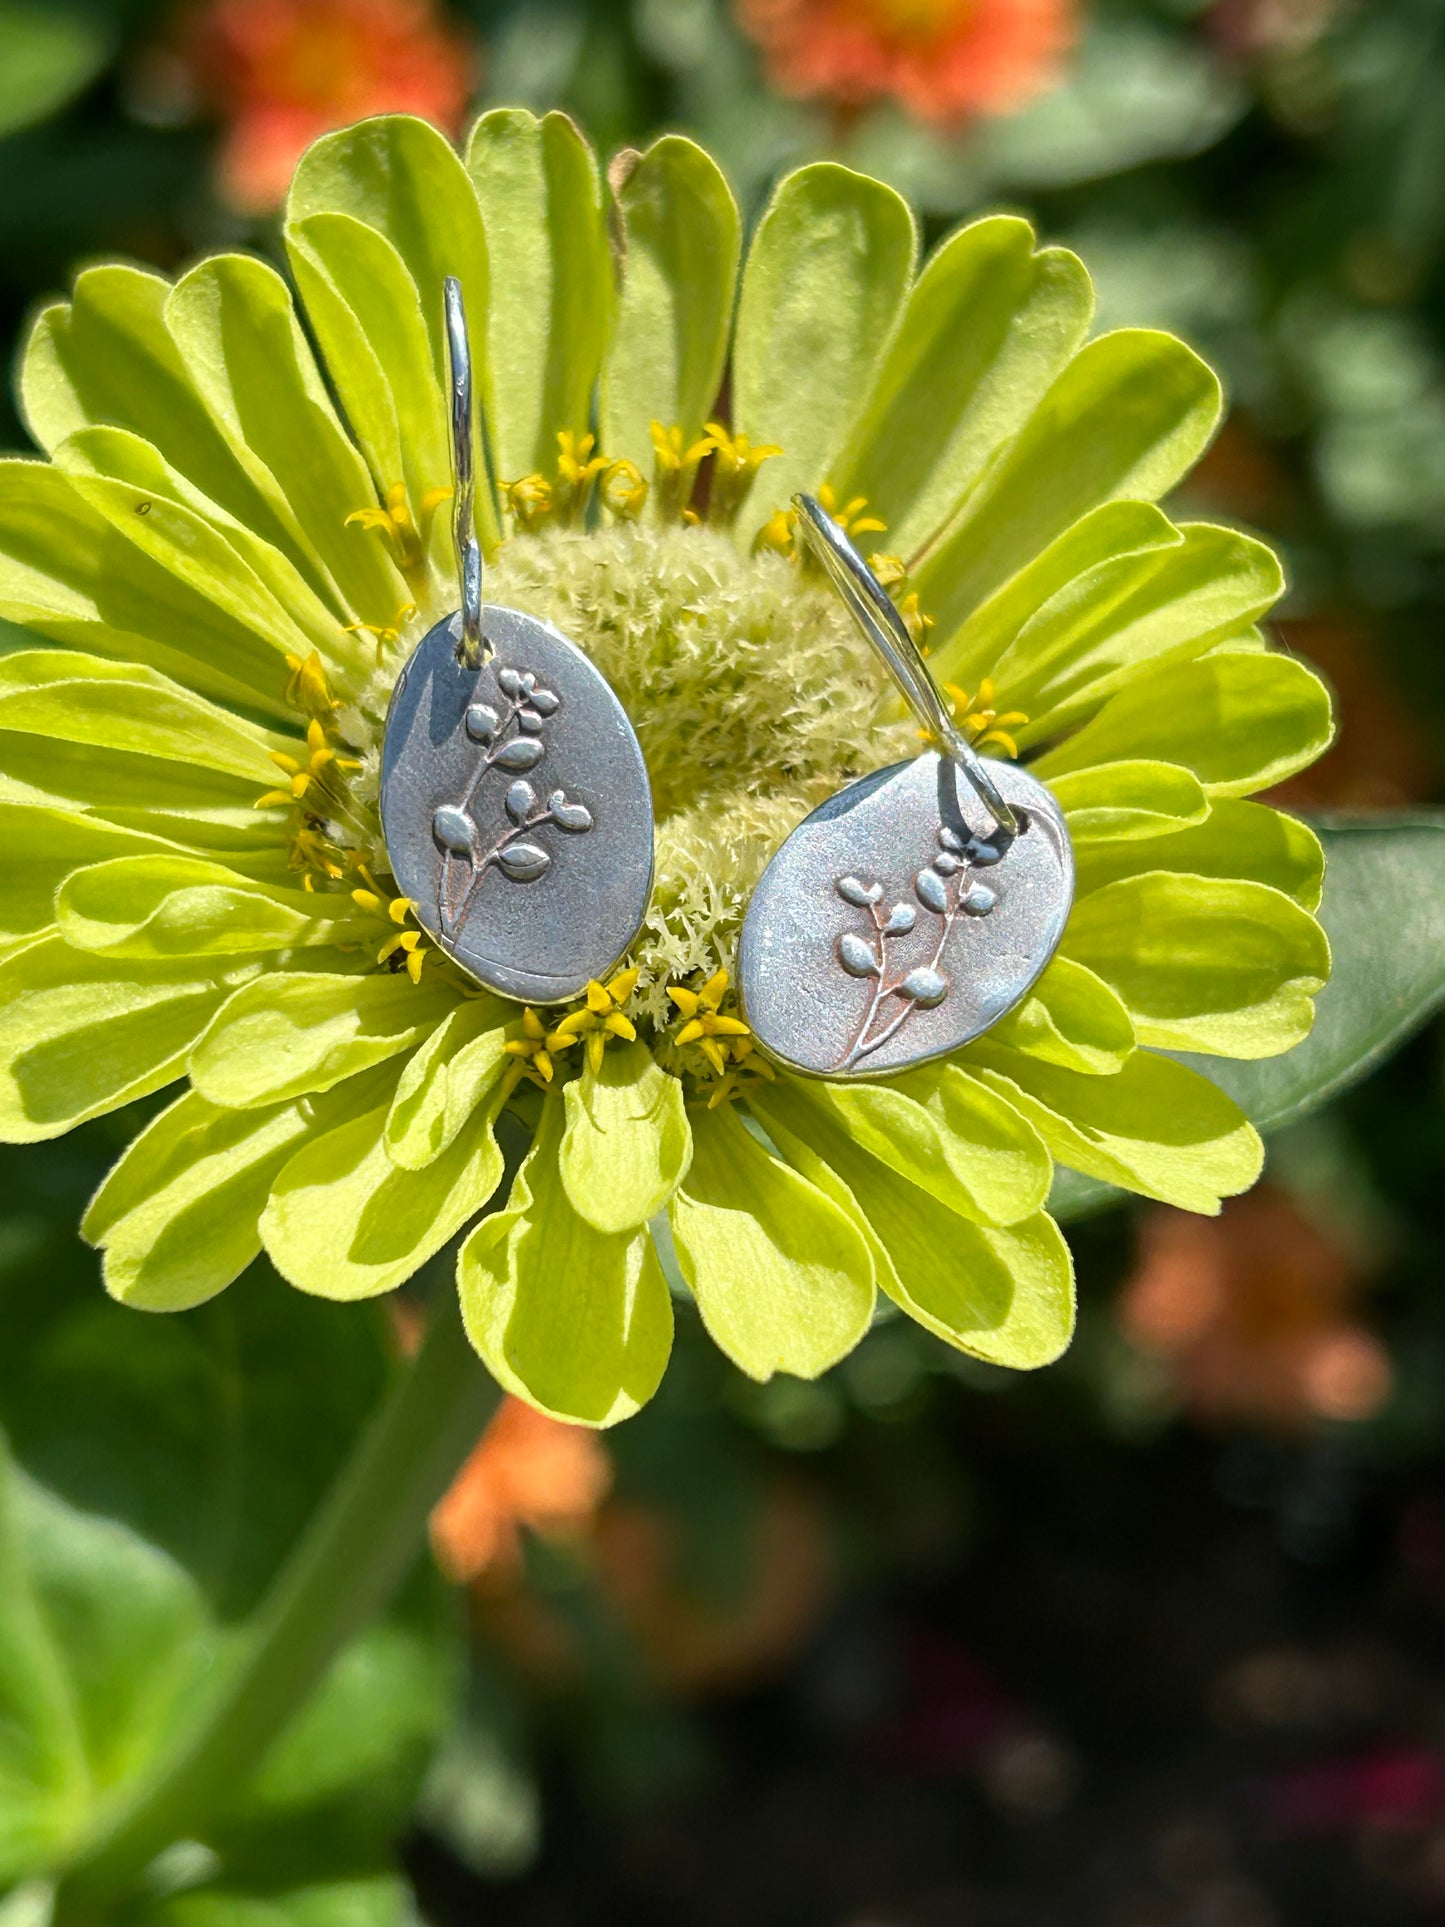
x=1384, y=914
x=292, y=1032
x=1157, y=1126
x=1248, y=840
x=1006, y=1295
x=1240, y=719
x=343, y=1221
x=1127, y=418
x=1150, y=607
x=978, y=1157
x=783, y=1277
x=1213, y=965
x=47, y=55
x=682, y=240
x=376, y=1900
x=1070, y=1018
x=444, y=1081
x=1123, y=802
x=551, y=311
x=574, y=1321
x=178, y=1215
x=99, y=1638
x=627, y=1144
x=233, y=321
x=80, y=1035
x=108, y=1649
x=988, y=326
x=824, y=283
x=179, y=906
x=213, y=1433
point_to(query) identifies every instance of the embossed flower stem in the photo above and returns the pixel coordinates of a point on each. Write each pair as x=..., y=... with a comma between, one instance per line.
x=494, y=749
x=494, y=855
x=863, y=1045
x=349, y=1562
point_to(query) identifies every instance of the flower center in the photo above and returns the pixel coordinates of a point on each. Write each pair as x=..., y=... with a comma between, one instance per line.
x=753, y=696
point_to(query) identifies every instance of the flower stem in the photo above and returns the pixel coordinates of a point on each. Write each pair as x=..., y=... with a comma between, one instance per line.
x=353, y=1555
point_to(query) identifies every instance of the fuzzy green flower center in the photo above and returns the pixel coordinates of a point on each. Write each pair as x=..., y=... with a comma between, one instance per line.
x=752, y=693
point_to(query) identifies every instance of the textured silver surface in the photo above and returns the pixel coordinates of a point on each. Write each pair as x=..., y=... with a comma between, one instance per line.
x=516, y=808
x=899, y=921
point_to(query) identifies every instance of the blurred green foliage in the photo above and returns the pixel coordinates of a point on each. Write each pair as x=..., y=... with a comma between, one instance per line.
x=1276, y=194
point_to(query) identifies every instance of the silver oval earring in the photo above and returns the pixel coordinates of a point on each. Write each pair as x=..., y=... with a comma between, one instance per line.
x=917, y=906
x=515, y=802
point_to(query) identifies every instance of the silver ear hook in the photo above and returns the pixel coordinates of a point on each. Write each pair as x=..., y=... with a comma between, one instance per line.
x=873, y=609
x=473, y=651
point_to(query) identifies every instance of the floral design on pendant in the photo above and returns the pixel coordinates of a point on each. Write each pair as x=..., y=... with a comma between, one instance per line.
x=872, y=943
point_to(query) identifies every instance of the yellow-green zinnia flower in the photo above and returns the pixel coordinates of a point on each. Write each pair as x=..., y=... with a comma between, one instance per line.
x=233, y=544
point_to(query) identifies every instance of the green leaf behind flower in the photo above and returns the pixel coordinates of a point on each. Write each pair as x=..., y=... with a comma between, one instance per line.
x=1388, y=977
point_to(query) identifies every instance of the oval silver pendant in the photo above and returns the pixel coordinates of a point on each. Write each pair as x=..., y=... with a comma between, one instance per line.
x=898, y=921
x=516, y=808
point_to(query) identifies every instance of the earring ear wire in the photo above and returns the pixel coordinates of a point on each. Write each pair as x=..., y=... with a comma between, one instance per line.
x=473, y=649
x=872, y=608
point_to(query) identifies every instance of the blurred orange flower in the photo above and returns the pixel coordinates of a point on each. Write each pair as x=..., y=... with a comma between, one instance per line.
x=281, y=72
x=1253, y=1313
x=942, y=60
x=526, y=1470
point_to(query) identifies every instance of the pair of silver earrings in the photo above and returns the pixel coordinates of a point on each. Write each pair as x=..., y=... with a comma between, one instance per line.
x=901, y=919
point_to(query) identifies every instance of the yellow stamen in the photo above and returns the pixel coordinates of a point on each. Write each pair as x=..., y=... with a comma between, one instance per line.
x=307, y=688
x=601, y=1017
x=530, y=1056
x=674, y=467
x=724, y=1041
x=385, y=633
x=736, y=460
x=530, y=500
x=577, y=472
x=624, y=490
x=404, y=533
x=979, y=718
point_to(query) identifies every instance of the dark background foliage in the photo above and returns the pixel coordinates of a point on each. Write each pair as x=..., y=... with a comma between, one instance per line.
x=1151, y=1640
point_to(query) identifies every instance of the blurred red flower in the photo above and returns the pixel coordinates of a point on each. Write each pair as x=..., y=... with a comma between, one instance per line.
x=1253, y=1313
x=281, y=72
x=941, y=60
